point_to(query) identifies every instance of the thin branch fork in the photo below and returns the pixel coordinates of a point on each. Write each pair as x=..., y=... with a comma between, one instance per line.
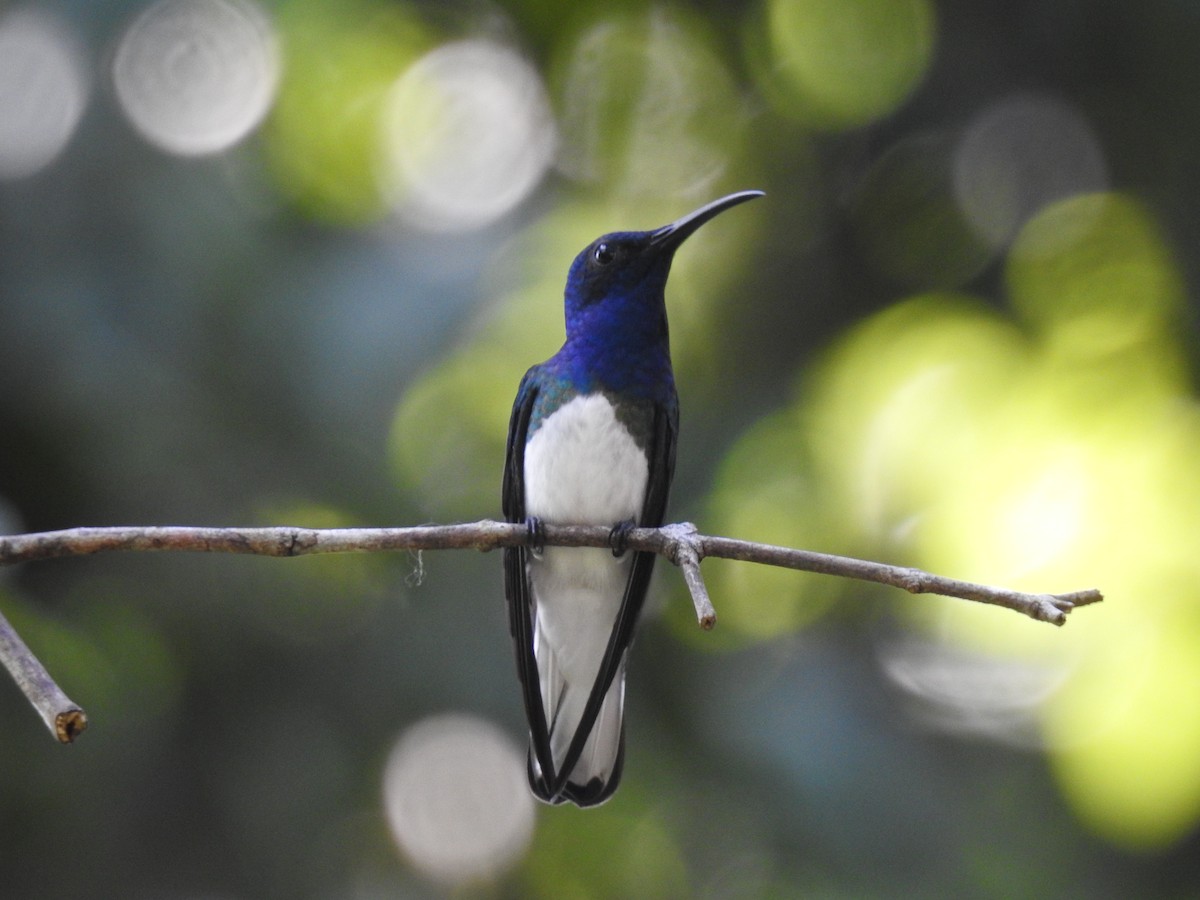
x=680, y=543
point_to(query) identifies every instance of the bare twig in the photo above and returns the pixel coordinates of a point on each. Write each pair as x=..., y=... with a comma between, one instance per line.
x=681, y=543
x=1052, y=608
x=686, y=554
x=63, y=717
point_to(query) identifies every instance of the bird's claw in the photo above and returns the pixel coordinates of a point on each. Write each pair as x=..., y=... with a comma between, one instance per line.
x=618, y=538
x=536, y=539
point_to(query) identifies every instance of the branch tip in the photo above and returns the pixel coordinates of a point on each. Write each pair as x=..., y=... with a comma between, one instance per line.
x=1046, y=610
x=70, y=724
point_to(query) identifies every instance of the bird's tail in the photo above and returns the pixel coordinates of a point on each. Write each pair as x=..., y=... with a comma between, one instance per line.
x=596, y=774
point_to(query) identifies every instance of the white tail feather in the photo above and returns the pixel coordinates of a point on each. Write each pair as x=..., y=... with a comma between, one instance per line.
x=565, y=698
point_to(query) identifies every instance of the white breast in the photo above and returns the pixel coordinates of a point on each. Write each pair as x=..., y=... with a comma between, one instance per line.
x=582, y=466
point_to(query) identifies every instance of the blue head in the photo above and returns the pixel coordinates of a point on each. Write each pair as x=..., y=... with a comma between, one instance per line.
x=616, y=312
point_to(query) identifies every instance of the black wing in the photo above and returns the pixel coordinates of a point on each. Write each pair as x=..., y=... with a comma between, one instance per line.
x=516, y=582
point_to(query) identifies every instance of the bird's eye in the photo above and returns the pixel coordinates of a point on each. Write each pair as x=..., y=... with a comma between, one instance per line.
x=604, y=254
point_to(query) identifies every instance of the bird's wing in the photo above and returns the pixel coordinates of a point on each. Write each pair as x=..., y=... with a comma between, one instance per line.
x=516, y=580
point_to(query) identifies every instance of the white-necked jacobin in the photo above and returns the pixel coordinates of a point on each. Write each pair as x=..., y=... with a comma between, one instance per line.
x=592, y=442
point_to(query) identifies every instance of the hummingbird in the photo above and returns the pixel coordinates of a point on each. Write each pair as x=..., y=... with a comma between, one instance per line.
x=591, y=441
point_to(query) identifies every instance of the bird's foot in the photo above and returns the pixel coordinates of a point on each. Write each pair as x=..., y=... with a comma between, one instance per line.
x=536, y=539
x=618, y=538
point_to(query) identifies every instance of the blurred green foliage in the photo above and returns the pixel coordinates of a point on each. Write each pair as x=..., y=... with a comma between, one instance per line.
x=837, y=64
x=1030, y=452
x=323, y=140
x=977, y=362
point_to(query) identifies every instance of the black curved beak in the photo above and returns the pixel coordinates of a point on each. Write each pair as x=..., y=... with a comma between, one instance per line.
x=671, y=236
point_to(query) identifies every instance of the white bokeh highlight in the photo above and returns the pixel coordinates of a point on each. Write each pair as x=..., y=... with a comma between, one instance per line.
x=957, y=691
x=43, y=90
x=467, y=135
x=457, y=800
x=1018, y=156
x=194, y=77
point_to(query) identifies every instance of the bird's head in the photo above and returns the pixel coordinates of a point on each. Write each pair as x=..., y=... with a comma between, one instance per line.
x=616, y=283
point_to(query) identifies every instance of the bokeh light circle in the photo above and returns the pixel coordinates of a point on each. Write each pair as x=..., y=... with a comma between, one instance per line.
x=1018, y=156
x=43, y=91
x=468, y=134
x=649, y=107
x=322, y=139
x=1095, y=276
x=844, y=63
x=196, y=76
x=456, y=798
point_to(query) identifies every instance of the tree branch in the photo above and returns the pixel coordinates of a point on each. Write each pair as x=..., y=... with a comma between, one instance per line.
x=681, y=543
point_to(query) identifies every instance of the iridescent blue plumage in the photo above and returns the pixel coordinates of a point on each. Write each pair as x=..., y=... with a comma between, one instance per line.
x=592, y=441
